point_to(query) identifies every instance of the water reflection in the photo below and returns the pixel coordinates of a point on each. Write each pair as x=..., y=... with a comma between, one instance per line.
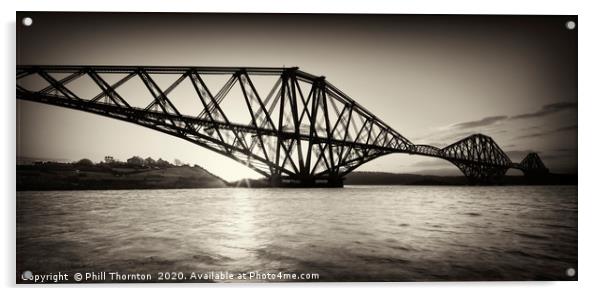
x=355, y=233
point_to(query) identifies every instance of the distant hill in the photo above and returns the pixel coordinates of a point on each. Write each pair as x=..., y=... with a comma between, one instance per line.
x=26, y=160
x=73, y=176
x=62, y=176
x=379, y=178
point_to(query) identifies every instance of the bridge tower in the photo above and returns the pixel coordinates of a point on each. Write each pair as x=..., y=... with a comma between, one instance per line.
x=532, y=166
x=479, y=158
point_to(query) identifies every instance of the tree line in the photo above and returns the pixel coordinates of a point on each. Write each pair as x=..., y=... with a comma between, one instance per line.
x=134, y=161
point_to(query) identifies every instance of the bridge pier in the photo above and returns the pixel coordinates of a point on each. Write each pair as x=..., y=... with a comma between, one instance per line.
x=310, y=182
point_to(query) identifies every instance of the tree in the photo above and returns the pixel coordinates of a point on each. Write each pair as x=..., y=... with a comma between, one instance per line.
x=177, y=162
x=135, y=160
x=149, y=161
x=163, y=163
x=84, y=162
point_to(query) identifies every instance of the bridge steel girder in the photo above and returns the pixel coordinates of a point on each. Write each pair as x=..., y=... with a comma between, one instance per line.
x=295, y=136
x=488, y=163
x=532, y=166
x=303, y=132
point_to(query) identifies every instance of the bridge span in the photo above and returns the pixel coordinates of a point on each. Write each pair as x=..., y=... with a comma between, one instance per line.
x=302, y=132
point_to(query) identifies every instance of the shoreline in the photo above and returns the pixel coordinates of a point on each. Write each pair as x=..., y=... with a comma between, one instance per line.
x=73, y=177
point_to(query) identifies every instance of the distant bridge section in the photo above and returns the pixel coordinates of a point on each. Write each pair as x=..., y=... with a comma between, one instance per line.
x=481, y=160
x=298, y=130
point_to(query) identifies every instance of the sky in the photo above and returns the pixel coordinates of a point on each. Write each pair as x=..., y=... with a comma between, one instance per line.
x=433, y=78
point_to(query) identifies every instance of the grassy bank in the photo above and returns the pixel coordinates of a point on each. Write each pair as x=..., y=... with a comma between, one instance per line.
x=75, y=177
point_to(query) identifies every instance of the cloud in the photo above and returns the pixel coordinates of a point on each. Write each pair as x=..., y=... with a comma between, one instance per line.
x=481, y=122
x=558, y=156
x=547, y=109
x=557, y=130
x=572, y=150
x=543, y=111
x=530, y=128
x=519, y=155
x=491, y=125
x=455, y=137
x=533, y=135
x=566, y=128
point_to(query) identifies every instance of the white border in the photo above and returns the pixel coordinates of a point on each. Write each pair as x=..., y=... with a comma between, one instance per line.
x=589, y=133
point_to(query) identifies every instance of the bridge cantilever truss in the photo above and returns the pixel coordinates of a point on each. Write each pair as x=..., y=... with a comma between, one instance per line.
x=301, y=130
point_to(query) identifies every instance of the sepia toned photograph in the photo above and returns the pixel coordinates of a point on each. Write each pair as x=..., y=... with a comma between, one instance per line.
x=254, y=148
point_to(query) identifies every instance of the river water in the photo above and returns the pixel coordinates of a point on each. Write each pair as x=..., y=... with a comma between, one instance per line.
x=356, y=233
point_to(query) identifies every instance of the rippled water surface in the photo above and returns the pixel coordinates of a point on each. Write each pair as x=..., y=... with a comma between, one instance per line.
x=396, y=233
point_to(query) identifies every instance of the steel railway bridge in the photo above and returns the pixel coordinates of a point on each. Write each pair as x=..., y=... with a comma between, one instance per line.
x=302, y=132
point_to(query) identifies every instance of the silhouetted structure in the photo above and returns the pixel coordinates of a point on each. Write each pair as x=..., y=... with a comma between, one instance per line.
x=305, y=132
